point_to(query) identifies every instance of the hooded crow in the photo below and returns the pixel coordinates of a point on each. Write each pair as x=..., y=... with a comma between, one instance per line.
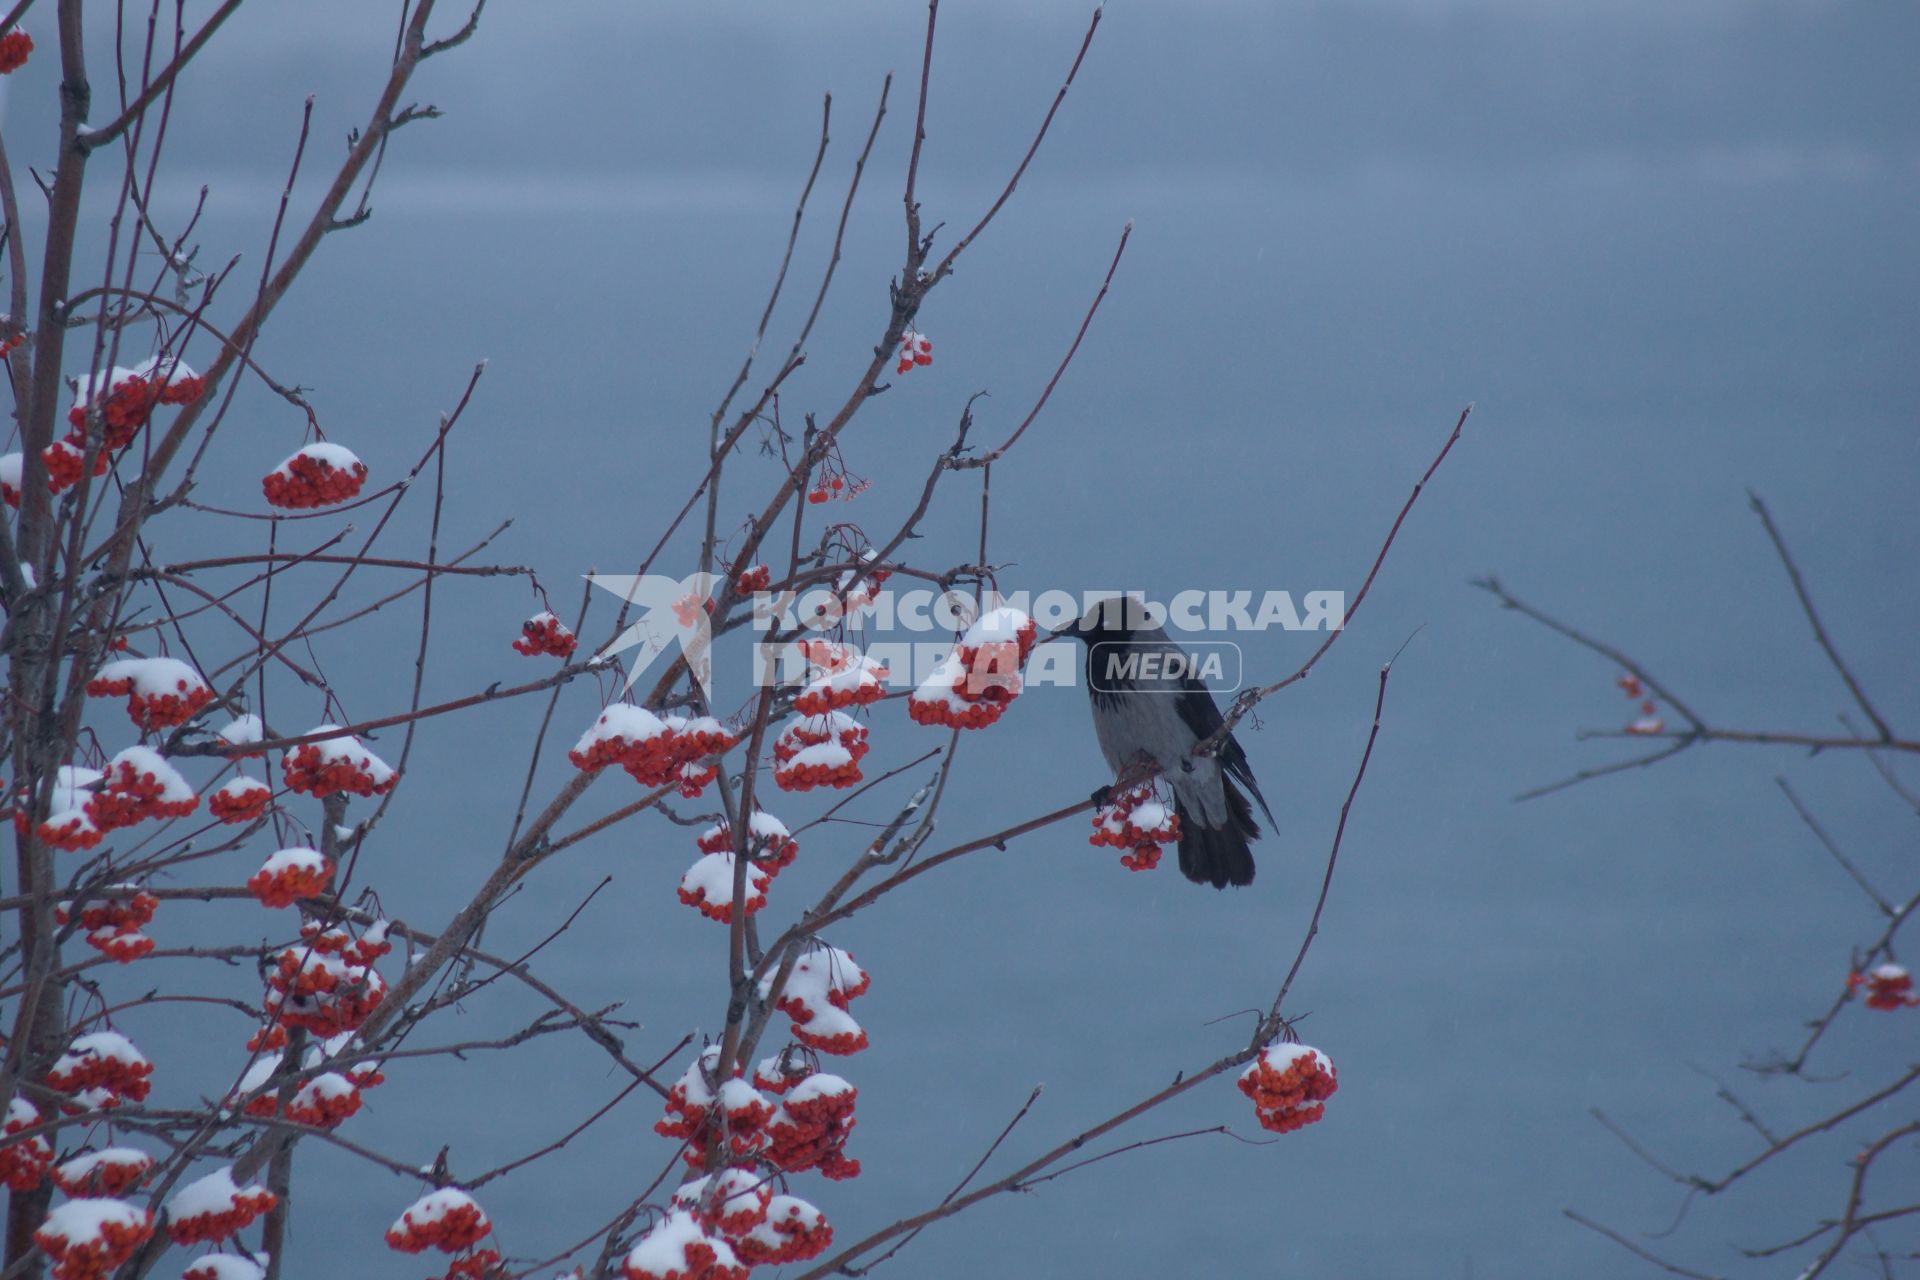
x=1147, y=702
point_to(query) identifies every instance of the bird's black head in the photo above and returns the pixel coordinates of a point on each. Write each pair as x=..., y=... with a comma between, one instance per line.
x=1114, y=618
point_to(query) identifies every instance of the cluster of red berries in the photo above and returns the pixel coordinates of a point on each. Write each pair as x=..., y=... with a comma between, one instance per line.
x=757, y=578
x=819, y=751
x=161, y=693
x=915, y=349
x=129, y=402
x=14, y=48
x=771, y=846
x=544, y=633
x=114, y=925
x=1889, y=986
x=810, y=1129
x=68, y=826
x=119, y=412
x=327, y=1100
x=1138, y=821
x=475, y=1264
x=137, y=784
x=66, y=464
x=729, y=1202
x=90, y=1239
x=112, y=1172
x=706, y=1113
x=290, y=875
x=1289, y=1085
x=326, y=983
x=762, y=1228
x=223, y=1266
x=971, y=687
x=23, y=1161
x=821, y=985
x=336, y=764
x=100, y=1070
x=707, y=886
x=213, y=1208
x=655, y=750
x=241, y=800
x=1648, y=721
x=448, y=1219
x=319, y=475
x=836, y=484
x=679, y=1248
x=841, y=677
x=791, y=1231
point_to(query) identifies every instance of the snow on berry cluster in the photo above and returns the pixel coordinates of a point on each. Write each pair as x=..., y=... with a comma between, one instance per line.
x=137, y=784
x=1289, y=1085
x=810, y=1128
x=1888, y=986
x=161, y=692
x=839, y=676
x=115, y=925
x=325, y=1101
x=241, y=800
x=819, y=751
x=707, y=1113
x=336, y=763
x=69, y=824
x=449, y=1220
x=23, y=1161
x=290, y=875
x=544, y=633
x=824, y=981
x=114, y=406
x=971, y=687
x=223, y=1266
x=213, y=1208
x=1138, y=821
x=805, y=1127
x=124, y=399
x=723, y=1225
x=679, y=1248
x=656, y=751
x=318, y=475
x=100, y=1070
x=326, y=983
x=915, y=349
x=89, y=1239
x=112, y=1172
x=707, y=885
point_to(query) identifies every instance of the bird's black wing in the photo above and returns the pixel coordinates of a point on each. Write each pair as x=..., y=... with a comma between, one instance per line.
x=1201, y=714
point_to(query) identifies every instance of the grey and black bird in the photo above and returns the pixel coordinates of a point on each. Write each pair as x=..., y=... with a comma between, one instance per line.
x=1147, y=701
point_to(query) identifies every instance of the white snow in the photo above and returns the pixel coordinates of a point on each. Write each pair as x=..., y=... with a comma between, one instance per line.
x=81, y=1222
x=339, y=457
x=434, y=1206
x=294, y=859
x=210, y=1196
x=145, y=760
x=243, y=731
x=663, y=1250
x=108, y=1045
x=154, y=677
x=345, y=747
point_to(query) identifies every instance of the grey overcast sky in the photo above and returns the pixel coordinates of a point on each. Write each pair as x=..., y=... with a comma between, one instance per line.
x=1668, y=249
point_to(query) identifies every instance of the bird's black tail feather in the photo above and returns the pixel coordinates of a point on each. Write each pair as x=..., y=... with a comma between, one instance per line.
x=1218, y=856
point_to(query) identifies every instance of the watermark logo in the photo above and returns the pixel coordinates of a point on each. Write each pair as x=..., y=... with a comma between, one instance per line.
x=671, y=610
x=1141, y=666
